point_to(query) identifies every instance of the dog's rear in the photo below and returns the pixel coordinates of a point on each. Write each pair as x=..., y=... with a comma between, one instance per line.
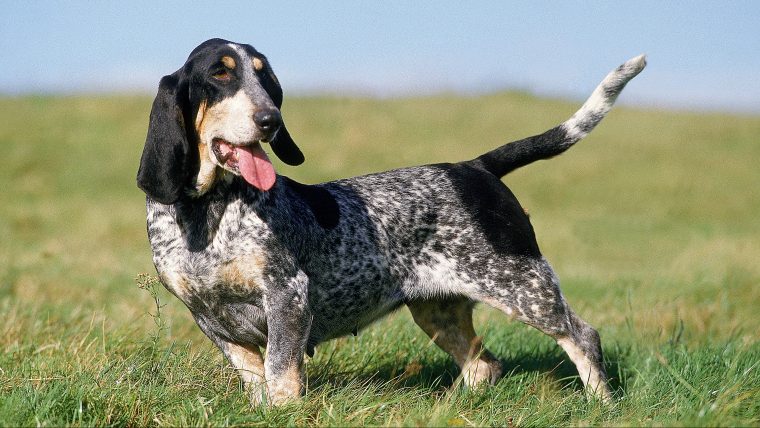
x=509, y=157
x=503, y=266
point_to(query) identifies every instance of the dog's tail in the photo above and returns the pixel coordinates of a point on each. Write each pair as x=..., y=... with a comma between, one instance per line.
x=513, y=155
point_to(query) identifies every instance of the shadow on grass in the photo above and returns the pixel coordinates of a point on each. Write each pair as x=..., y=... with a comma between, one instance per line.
x=441, y=374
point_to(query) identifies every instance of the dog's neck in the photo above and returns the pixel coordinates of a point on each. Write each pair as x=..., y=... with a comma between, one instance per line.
x=199, y=219
x=199, y=215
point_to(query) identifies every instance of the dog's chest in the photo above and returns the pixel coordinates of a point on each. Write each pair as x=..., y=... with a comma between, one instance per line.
x=225, y=269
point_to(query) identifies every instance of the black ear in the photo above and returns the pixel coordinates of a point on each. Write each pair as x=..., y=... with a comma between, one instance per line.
x=285, y=148
x=167, y=157
x=282, y=145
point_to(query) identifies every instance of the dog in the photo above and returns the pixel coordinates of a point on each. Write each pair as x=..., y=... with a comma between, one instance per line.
x=264, y=261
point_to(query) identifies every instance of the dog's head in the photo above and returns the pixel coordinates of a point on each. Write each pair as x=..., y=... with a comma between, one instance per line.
x=210, y=118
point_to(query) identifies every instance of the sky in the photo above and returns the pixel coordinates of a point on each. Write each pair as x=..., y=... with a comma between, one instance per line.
x=702, y=55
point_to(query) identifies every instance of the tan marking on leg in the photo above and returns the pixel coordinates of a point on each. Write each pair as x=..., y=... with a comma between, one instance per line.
x=285, y=387
x=258, y=64
x=449, y=324
x=249, y=364
x=590, y=376
x=480, y=367
x=229, y=62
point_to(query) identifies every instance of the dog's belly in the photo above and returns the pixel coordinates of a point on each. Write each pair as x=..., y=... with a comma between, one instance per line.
x=342, y=307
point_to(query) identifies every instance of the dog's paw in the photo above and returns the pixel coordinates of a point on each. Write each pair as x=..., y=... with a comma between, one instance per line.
x=481, y=372
x=257, y=394
x=284, y=389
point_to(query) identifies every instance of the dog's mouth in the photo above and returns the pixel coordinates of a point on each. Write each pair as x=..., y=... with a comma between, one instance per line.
x=247, y=160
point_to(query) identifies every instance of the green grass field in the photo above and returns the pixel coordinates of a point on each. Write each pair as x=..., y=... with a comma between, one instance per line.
x=651, y=223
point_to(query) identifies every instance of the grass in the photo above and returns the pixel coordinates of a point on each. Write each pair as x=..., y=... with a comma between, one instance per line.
x=651, y=224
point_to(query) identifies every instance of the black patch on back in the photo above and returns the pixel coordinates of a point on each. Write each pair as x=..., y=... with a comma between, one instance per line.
x=320, y=201
x=494, y=208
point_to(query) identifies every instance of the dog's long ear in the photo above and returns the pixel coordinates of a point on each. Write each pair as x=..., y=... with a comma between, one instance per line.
x=282, y=145
x=167, y=157
x=285, y=148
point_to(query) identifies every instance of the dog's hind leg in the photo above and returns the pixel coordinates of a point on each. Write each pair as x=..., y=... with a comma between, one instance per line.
x=449, y=323
x=534, y=298
x=583, y=346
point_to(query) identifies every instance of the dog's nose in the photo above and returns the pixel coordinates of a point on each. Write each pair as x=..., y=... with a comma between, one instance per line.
x=267, y=120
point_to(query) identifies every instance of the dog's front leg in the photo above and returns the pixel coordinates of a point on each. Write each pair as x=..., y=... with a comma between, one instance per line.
x=288, y=325
x=249, y=363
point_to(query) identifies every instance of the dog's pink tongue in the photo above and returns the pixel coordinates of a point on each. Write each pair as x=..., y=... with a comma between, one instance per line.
x=255, y=167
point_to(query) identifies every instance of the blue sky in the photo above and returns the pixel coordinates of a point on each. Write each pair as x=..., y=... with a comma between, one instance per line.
x=702, y=55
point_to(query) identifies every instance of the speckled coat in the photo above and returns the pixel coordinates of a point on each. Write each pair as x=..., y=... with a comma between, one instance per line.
x=296, y=265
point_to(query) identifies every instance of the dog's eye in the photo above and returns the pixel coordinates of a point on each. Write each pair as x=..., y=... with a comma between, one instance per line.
x=223, y=75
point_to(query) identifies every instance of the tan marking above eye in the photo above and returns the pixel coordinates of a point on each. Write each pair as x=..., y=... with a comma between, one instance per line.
x=258, y=64
x=228, y=62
